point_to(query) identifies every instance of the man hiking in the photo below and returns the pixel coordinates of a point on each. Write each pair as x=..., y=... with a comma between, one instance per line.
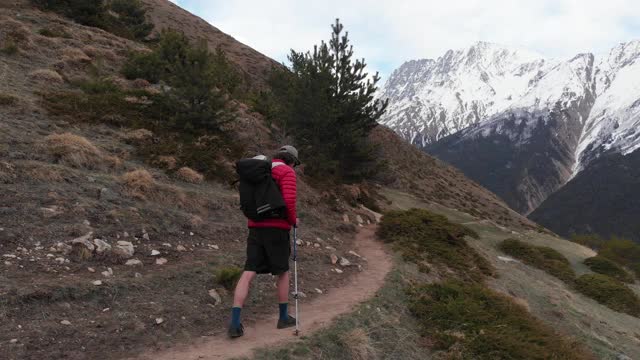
x=268, y=244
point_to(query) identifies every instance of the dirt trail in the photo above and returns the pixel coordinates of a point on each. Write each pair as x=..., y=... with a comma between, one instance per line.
x=314, y=315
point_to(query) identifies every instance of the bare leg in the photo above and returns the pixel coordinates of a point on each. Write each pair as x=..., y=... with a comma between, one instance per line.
x=283, y=288
x=242, y=288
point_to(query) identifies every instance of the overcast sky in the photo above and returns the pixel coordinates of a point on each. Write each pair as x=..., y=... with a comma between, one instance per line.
x=389, y=32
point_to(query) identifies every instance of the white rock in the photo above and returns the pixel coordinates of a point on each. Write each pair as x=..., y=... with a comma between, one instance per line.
x=359, y=219
x=338, y=271
x=299, y=242
x=318, y=291
x=101, y=246
x=159, y=321
x=330, y=248
x=60, y=260
x=216, y=247
x=216, y=297
x=13, y=341
x=334, y=259
x=145, y=236
x=8, y=263
x=161, y=261
x=133, y=262
x=137, y=275
x=354, y=254
x=309, y=243
x=9, y=256
x=191, y=234
x=50, y=256
x=345, y=218
x=97, y=283
x=155, y=252
x=124, y=249
x=91, y=270
x=125, y=234
x=181, y=248
x=166, y=245
x=316, y=245
x=106, y=309
x=65, y=322
x=344, y=262
x=108, y=273
x=86, y=222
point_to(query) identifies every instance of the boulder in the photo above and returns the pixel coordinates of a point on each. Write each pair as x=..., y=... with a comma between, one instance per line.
x=124, y=249
x=101, y=246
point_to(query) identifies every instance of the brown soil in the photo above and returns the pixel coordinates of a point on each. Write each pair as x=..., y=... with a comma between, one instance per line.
x=314, y=315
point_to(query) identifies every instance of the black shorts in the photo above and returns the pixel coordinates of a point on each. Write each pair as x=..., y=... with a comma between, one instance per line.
x=268, y=251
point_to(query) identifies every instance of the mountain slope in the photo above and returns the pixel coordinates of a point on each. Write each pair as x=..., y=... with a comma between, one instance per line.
x=602, y=199
x=522, y=125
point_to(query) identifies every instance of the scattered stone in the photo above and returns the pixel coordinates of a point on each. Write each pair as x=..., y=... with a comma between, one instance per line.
x=9, y=256
x=159, y=321
x=334, y=259
x=191, y=234
x=13, y=341
x=354, y=254
x=137, y=275
x=319, y=291
x=60, y=260
x=155, y=252
x=330, y=248
x=97, y=283
x=50, y=256
x=215, y=247
x=65, y=322
x=338, y=271
x=299, y=242
x=316, y=245
x=309, y=243
x=8, y=263
x=301, y=294
x=166, y=245
x=124, y=249
x=345, y=218
x=101, y=246
x=161, y=261
x=125, y=234
x=133, y=262
x=181, y=248
x=344, y=262
x=507, y=259
x=359, y=219
x=145, y=236
x=108, y=273
x=216, y=297
x=106, y=309
x=91, y=270
x=86, y=223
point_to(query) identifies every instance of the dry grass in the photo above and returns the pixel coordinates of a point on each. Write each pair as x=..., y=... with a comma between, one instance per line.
x=46, y=76
x=75, y=55
x=45, y=174
x=138, y=135
x=166, y=162
x=76, y=151
x=7, y=173
x=189, y=175
x=14, y=32
x=358, y=344
x=95, y=53
x=141, y=185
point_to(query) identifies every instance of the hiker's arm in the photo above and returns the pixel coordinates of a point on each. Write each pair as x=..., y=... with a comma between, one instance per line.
x=289, y=187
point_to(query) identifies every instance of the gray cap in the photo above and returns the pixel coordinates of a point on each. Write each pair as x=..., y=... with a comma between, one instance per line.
x=291, y=150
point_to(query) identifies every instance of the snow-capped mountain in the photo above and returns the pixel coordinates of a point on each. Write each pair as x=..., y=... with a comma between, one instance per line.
x=518, y=123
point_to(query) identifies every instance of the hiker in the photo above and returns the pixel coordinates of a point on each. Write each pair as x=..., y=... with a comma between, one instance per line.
x=268, y=244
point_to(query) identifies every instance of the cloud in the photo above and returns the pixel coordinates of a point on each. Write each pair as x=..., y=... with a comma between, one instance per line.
x=388, y=33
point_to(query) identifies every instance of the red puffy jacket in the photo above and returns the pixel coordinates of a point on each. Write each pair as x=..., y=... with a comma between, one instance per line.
x=285, y=177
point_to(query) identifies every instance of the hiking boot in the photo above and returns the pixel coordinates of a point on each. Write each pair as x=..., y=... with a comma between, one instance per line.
x=289, y=322
x=236, y=332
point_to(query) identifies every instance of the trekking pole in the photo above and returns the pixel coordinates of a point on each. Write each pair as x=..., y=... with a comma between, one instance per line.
x=295, y=275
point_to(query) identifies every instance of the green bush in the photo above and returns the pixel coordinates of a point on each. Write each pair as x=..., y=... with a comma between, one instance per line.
x=54, y=33
x=622, y=251
x=125, y=18
x=478, y=323
x=228, y=276
x=543, y=258
x=609, y=292
x=425, y=238
x=10, y=48
x=7, y=99
x=607, y=267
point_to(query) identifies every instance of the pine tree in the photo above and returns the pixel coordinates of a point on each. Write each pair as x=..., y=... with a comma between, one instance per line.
x=326, y=103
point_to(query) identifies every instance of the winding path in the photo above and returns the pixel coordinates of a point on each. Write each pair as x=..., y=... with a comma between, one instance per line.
x=314, y=315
